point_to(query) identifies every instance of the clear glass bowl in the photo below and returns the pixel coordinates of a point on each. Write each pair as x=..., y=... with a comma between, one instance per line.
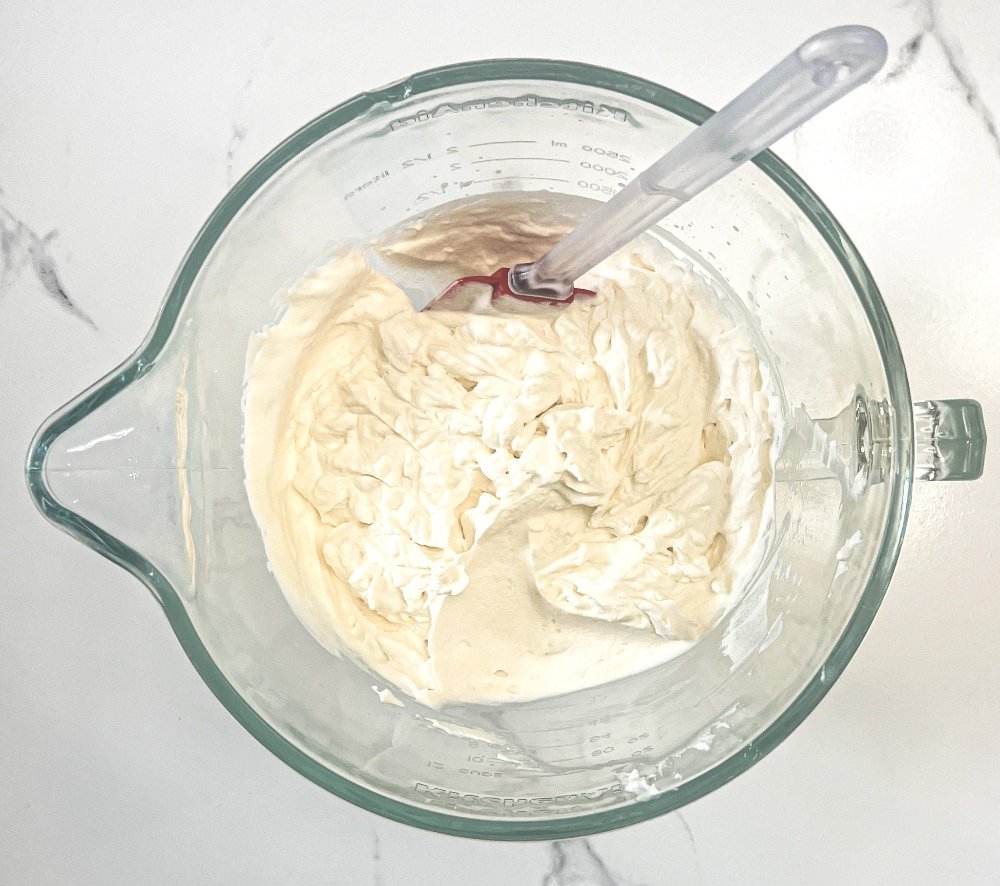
x=145, y=466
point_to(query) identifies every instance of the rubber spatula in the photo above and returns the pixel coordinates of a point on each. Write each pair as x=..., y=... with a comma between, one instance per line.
x=822, y=70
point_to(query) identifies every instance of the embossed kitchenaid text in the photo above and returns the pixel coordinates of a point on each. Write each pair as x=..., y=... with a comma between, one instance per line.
x=437, y=795
x=523, y=101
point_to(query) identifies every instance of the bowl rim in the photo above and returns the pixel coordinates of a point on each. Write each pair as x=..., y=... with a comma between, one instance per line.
x=431, y=818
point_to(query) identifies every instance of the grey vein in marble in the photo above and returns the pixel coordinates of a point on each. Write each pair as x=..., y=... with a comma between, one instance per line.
x=376, y=861
x=20, y=246
x=930, y=28
x=907, y=56
x=576, y=863
x=239, y=134
x=694, y=846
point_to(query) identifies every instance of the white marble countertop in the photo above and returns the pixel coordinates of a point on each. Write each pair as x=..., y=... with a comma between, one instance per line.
x=122, y=125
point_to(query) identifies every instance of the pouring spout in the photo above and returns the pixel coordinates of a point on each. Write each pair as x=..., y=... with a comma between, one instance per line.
x=111, y=469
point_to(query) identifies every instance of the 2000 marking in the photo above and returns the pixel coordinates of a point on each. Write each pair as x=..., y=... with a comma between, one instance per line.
x=607, y=170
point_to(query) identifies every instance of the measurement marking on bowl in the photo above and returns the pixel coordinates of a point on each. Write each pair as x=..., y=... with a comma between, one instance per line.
x=516, y=178
x=527, y=141
x=501, y=159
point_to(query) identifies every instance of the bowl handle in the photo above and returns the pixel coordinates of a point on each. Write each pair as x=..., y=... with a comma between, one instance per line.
x=950, y=440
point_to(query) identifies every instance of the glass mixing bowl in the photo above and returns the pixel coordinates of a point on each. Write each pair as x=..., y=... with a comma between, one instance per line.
x=145, y=466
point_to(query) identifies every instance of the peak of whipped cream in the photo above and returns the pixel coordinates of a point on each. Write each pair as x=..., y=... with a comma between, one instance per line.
x=501, y=507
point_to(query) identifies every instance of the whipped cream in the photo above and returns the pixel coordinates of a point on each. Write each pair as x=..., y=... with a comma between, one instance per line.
x=507, y=506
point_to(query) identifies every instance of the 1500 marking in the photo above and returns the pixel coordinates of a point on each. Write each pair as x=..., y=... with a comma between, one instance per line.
x=595, y=187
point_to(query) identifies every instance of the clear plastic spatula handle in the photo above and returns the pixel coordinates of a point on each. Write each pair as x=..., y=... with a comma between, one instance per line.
x=823, y=69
